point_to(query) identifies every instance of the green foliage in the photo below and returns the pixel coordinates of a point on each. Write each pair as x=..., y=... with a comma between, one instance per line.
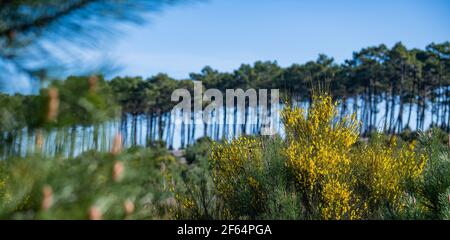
x=11, y=113
x=198, y=152
x=149, y=96
x=134, y=184
x=263, y=191
x=197, y=197
x=282, y=202
x=196, y=194
x=80, y=101
x=84, y=101
x=436, y=182
x=444, y=205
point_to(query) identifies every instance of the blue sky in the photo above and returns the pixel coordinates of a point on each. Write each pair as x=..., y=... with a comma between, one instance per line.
x=226, y=33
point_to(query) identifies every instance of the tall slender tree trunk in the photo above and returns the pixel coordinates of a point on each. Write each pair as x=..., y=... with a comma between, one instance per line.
x=413, y=94
x=225, y=125
x=73, y=138
x=386, y=112
x=160, y=127
x=193, y=124
x=391, y=119
x=134, y=127
x=183, y=132
x=244, y=126
x=235, y=116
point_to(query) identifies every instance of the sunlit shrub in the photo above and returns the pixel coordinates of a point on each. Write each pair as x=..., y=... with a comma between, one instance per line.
x=385, y=173
x=343, y=180
x=317, y=151
x=262, y=189
x=236, y=166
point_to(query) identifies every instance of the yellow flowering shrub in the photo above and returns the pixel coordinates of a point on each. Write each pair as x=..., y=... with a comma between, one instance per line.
x=235, y=165
x=317, y=151
x=336, y=202
x=334, y=177
x=4, y=191
x=384, y=170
